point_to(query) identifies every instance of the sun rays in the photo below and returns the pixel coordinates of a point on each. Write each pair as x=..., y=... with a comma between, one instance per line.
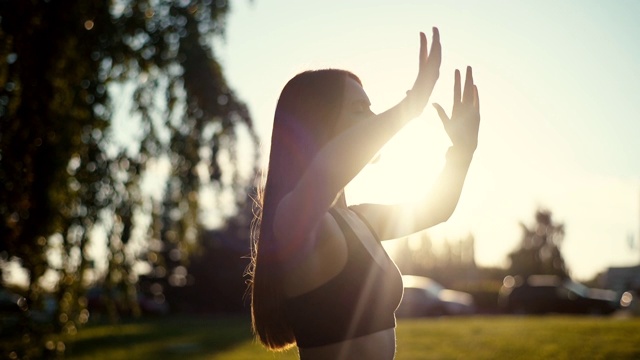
x=407, y=167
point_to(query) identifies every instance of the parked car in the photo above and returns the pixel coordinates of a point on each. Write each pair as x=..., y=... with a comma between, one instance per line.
x=11, y=302
x=540, y=294
x=425, y=297
x=12, y=306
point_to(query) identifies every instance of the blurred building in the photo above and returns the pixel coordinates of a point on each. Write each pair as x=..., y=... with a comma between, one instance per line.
x=623, y=279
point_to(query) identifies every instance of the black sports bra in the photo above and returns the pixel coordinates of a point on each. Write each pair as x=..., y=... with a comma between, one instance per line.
x=360, y=300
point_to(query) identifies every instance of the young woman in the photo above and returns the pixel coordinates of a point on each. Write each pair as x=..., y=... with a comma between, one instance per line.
x=320, y=277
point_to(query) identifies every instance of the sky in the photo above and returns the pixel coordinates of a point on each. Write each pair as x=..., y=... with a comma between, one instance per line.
x=558, y=85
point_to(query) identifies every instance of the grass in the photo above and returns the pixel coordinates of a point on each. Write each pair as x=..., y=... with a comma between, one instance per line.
x=520, y=338
x=169, y=338
x=499, y=337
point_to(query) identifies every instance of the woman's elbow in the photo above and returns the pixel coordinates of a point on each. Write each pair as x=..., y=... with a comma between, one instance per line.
x=436, y=213
x=433, y=219
x=444, y=214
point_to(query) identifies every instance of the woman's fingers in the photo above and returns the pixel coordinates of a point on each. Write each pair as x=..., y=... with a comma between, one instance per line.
x=470, y=94
x=429, y=69
x=430, y=61
x=467, y=96
x=462, y=126
x=435, y=55
x=441, y=113
x=423, y=50
x=456, y=88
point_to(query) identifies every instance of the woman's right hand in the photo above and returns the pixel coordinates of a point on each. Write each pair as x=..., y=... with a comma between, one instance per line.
x=462, y=127
x=428, y=72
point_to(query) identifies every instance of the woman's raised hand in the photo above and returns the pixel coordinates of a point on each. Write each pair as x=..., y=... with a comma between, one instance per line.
x=428, y=72
x=464, y=123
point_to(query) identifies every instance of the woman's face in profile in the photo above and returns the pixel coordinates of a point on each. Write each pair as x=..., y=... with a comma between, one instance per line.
x=355, y=106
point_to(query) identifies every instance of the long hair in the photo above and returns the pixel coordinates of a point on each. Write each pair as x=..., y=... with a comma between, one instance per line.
x=304, y=122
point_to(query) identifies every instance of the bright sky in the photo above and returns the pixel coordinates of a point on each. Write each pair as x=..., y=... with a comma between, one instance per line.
x=558, y=85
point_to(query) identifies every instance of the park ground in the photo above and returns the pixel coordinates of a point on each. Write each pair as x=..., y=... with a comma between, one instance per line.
x=477, y=337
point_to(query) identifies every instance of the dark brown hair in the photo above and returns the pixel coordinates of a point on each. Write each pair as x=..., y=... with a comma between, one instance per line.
x=304, y=122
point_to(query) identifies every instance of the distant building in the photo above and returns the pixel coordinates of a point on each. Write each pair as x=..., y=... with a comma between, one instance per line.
x=623, y=279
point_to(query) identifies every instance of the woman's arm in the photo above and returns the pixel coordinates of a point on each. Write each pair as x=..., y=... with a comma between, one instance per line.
x=338, y=162
x=394, y=221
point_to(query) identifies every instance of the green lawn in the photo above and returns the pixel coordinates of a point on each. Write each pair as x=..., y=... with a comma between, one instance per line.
x=498, y=337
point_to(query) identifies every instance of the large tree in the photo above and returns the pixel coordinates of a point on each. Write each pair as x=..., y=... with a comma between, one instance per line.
x=64, y=173
x=539, y=250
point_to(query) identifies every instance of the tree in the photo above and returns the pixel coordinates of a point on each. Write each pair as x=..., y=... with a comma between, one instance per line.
x=213, y=280
x=539, y=251
x=63, y=172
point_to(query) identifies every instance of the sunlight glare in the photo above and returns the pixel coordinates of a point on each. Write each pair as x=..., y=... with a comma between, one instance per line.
x=407, y=166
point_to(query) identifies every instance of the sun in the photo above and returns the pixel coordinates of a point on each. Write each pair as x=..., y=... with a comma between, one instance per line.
x=407, y=166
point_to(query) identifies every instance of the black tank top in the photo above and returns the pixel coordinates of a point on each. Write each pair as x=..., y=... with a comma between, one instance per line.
x=360, y=300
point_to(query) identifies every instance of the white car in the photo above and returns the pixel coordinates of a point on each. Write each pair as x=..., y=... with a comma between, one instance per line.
x=425, y=297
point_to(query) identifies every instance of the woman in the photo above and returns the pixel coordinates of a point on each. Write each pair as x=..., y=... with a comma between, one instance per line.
x=320, y=277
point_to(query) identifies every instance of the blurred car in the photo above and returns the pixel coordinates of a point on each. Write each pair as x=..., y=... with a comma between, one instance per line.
x=425, y=297
x=540, y=294
x=12, y=307
x=11, y=302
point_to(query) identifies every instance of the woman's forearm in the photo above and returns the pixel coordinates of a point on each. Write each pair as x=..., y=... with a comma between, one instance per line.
x=348, y=153
x=398, y=220
x=445, y=193
x=335, y=165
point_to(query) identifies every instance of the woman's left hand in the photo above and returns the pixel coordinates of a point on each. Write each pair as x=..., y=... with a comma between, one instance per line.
x=428, y=74
x=464, y=123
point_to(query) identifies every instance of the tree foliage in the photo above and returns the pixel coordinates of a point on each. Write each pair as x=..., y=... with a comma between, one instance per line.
x=64, y=173
x=539, y=251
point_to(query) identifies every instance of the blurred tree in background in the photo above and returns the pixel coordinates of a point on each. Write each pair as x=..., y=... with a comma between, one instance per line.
x=65, y=176
x=539, y=251
x=451, y=262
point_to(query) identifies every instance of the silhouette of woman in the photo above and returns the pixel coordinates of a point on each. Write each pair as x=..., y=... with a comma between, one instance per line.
x=320, y=277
